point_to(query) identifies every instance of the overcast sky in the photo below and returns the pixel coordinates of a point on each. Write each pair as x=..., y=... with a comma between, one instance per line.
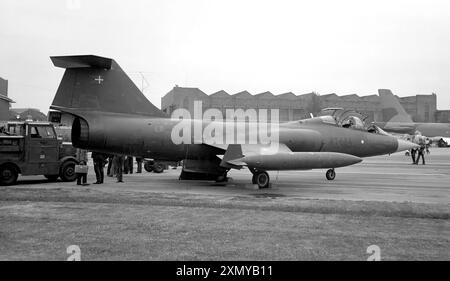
x=343, y=47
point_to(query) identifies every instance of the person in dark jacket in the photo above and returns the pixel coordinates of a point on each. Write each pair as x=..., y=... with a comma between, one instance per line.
x=413, y=155
x=421, y=153
x=128, y=165
x=139, y=161
x=110, y=169
x=118, y=165
x=99, y=165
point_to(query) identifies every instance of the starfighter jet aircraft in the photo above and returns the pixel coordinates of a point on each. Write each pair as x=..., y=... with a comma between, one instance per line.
x=111, y=115
x=399, y=122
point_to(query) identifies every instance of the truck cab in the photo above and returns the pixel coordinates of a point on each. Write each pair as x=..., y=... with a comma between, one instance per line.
x=33, y=148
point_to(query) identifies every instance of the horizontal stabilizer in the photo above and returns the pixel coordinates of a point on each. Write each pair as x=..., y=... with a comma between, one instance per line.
x=88, y=61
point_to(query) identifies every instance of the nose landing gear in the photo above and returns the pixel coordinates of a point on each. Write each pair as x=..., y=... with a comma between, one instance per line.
x=331, y=174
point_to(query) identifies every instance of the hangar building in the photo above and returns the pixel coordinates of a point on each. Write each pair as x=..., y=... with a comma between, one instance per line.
x=422, y=108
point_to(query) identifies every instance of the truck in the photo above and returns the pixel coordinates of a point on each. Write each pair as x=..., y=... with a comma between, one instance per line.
x=33, y=148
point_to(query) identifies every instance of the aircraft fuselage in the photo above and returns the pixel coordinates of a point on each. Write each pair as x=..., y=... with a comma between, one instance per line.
x=151, y=137
x=426, y=129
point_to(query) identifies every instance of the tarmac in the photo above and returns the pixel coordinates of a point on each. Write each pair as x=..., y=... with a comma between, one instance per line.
x=385, y=195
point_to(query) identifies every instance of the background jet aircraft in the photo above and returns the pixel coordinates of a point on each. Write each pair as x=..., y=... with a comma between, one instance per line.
x=398, y=121
x=113, y=116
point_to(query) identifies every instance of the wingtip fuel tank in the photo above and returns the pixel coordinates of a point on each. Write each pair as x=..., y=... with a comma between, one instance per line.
x=300, y=161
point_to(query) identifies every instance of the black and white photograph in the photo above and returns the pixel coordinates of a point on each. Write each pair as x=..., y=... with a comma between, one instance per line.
x=225, y=136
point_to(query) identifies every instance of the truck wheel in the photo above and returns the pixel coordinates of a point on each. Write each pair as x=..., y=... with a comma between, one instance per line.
x=8, y=175
x=158, y=168
x=67, y=171
x=148, y=167
x=52, y=177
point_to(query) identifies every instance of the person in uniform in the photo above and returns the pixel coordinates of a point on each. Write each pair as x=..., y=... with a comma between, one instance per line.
x=125, y=165
x=111, y=168
x=81, y=175
x=413, y=155
x=99, y=165
x=130, y=164
x=82, y=158
x=81, y=155
x=118, y=164
x=421, y=153
x=139, y=161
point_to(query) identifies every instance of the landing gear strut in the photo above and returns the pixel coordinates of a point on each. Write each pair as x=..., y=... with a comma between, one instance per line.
x=331, y=174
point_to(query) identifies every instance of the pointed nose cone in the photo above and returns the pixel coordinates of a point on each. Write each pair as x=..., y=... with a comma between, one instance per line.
x=405, y=145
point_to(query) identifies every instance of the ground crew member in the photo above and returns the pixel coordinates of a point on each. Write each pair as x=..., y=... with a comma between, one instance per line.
x=139, y=161
x=421, y=153
x=99, y=165
x=81, y=155
x=128, y=165
x=82, y=159
x=110, y=169
x=81, y=170
x=413, y=155
x=118, y=164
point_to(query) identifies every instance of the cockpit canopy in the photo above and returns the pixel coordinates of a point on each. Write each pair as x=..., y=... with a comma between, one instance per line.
x=344, y=118
x=330, y=120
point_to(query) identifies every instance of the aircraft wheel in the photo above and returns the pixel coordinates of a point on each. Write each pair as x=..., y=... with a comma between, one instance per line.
x=331, y=174
x=148, y=166
x=158, y=168
x=8, y=175
x=254, y=179
x=262, y=180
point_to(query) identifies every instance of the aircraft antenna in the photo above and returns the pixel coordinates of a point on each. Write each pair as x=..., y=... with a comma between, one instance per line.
x=144, y=82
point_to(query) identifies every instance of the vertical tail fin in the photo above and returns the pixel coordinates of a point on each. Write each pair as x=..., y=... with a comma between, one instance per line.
x=393, y=111
x=93, y=83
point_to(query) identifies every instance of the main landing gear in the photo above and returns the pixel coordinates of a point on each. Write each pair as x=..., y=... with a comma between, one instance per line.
x=261, y=178
x=331, y=174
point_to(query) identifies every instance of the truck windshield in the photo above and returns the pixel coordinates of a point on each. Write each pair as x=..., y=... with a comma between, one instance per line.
x=15, y=130
x=42, y=132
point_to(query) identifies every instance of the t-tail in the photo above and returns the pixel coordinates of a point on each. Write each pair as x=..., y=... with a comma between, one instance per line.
x=393, y=111
x=104, y=103
x=92, y=83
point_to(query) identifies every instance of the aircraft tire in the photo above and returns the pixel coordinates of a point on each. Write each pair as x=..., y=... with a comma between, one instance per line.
x=331, y=174
x=158, y=168
x=148, y=166
x=262, y=180
x=8, y=175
